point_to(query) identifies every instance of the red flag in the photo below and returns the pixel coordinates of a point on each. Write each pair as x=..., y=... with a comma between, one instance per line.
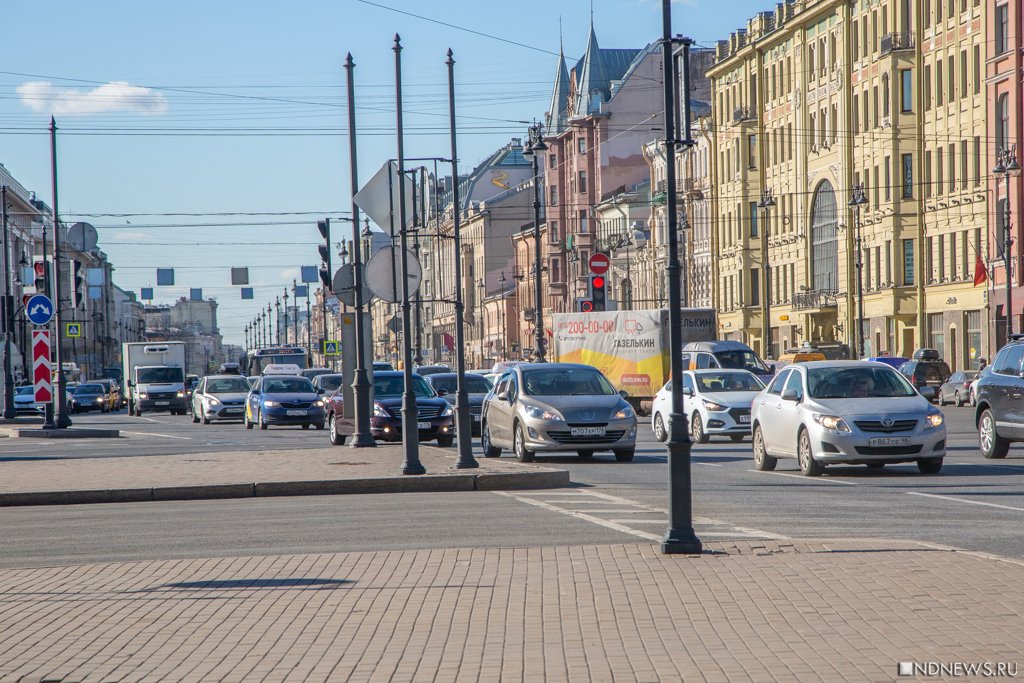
x=980, y=272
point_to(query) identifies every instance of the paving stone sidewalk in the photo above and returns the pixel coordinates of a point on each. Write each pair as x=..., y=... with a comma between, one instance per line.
x=47, y=481
x=775, y=611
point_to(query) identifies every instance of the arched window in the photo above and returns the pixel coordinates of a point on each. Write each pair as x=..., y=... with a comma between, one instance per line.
x=824, y=239
x=1002, y=121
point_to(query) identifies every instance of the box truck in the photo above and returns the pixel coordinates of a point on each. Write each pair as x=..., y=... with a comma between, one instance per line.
x=154, y=377
x=630, y=347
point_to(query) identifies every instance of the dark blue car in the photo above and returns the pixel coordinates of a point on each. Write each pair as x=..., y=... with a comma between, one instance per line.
x=284, y=400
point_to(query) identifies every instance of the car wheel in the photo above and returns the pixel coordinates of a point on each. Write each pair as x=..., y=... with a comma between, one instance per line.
x=585, y=455
x=262, y=421
x=876, y=465
x=624, y=454
x=206, y=420
x=736, y=437
x=660, y=433
x=973, y=399
x=933, y=466
x=490, y=450
x=940, y=399
x=195, y=418
x=336, y=438
x=957, y=400
x=697, y=434
x=445, y=441
x=319, y=426
x=762, y=461
x=993, y=446
x=808, y=466
x=519, y=445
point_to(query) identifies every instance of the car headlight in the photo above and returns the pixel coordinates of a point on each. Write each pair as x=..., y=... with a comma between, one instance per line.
x=99, y=399
x=447, y=412
x=714, y=407
x=318, y=403
x=181, y=394
x=380, y=411
x=832, y=422
x=935, y=419
x=624, y=413
x=538, y=413
x=143, y=394
x=270, y=404
x=214, y=401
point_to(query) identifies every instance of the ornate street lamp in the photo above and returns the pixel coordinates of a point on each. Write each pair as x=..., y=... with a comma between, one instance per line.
x=767, y=202
x=531, y=150
x=1006, y=165
x=858, y=200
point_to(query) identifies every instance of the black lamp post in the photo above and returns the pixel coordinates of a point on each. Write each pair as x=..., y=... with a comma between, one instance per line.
x=531, y=150
x=285, y=315
x=268, y=335
x=856, y=201
x=295, y=318
x=501, y=313
x=1006, y=165
x=482, y=288
x=9, y=410
x=767, y=202
x=277, y=319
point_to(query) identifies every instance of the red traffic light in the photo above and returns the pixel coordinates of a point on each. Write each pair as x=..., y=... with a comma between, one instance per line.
x=598, y=282
x=39, y=267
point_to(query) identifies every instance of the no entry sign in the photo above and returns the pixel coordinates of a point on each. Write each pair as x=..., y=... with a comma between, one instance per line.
x=41, y=373
x=599, y=264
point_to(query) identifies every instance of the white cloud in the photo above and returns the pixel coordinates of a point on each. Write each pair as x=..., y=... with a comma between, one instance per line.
x=127, y=236
x=116, y=96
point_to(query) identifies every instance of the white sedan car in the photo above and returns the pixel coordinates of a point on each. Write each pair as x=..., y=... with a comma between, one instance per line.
x=716, y=401
x=852, y=412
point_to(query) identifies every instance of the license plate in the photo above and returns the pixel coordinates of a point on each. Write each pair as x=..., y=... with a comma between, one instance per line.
x=162, y=403
x=295, y=413
x=232, y=411
x=884, y=441
x=423, y=425
x=587, y=431
x=745, y=419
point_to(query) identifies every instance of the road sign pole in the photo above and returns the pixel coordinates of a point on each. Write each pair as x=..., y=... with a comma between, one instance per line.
x=42, y=375
x=60, y=419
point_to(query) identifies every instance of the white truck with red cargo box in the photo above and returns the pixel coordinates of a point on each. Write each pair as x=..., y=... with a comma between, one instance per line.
x=630, y=347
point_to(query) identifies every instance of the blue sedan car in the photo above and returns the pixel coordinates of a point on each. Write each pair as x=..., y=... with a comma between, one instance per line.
x=283, y=400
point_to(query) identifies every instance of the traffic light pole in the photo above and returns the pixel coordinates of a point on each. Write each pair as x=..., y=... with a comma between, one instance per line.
x=325, y=279
x=9, y=411
x=61, y=419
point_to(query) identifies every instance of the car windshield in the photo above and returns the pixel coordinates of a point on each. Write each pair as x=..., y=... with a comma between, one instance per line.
x=227, y=386
x=330, y=382
x=566, y=382
x=741, y=360
x=159, y=376
x=847, y=382
x=394, y=385
x=287, y=385
x=728, y=381
x=89, y=389
x=24, y=391
x=474, y=385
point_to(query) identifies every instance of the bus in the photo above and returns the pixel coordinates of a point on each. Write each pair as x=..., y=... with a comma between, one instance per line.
x=258, y=359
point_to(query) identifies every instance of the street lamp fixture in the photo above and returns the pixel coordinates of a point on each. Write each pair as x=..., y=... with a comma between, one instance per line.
x=766, y=203
x=531, y=150
x=856, y=201
x=501, y=312
x=1006, y=166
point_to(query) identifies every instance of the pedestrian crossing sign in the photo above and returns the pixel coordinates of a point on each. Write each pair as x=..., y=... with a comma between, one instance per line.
x=331, y=348
x=73, y=329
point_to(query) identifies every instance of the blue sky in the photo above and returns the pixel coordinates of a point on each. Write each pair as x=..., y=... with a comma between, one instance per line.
x=232, y=114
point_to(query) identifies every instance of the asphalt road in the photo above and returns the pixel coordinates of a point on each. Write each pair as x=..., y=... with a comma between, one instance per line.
x=974, y=503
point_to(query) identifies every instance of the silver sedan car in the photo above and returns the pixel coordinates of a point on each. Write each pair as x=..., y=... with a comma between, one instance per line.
x=553, y=407
x=853, y=412
x=219, y=397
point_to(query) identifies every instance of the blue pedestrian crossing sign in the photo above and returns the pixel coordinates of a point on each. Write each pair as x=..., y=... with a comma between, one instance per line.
x=39, y=309
x=73, y=329
x=331, y=348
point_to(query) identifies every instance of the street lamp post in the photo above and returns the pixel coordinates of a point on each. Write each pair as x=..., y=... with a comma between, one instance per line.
x=767, y=202
x=858, y=200
x=285, y=315
x=295, y=318
x=277, y=320
x=482, y=288
x=269, y=336
x=501, y=313
x=531, y=150
x=1006, y=165
x=9, y=411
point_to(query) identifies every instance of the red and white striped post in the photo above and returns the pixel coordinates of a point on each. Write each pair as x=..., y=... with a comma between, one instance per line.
x=42, y=374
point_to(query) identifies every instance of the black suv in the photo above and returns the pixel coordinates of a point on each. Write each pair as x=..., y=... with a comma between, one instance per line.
x=999, y=390
x=926, y=369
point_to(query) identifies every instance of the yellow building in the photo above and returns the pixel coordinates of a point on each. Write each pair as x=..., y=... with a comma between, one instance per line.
x=812, y=100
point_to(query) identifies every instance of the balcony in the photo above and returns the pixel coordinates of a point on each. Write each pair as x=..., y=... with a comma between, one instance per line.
x=896, y=42
x=744, y=115
x=814, y=299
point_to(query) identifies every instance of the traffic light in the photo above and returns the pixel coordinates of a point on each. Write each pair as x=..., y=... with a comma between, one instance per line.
x=39, y=273
x=584, y=305
x=326, y=277
x=77, y=284
x=598, y=289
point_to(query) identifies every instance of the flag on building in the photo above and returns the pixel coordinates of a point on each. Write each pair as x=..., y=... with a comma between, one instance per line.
x=448, y=341
x=980, y=271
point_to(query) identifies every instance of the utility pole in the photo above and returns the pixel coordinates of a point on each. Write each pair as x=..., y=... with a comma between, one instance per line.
x=61, y=419
x=9, y=411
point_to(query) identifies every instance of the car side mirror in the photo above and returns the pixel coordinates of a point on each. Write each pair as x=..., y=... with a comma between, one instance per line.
x=504, y=396
x=790, y=395
x=687, y=391
x=771, y=368
x=624, y=395
x=927, y=392
x=442, y=392
x=320, y=390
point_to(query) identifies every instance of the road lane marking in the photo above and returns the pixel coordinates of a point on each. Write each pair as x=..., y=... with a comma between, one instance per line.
x=163, y=436
x=581, y=515
x=807, y=479
x=709, y=464
x=964, y=500
x=981, y=464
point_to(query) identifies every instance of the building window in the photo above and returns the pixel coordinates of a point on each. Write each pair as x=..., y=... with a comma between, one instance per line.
x=885, y=94
x=972, y=324
x=553, y=231
x=977, y=69
x=936, y=333
x=581, y=143
x=552, y=160
x=824, y=239
x=938, y=82
x=927, y=87
x=753, y=219
x=582, y=181
x=1002, y=120
x=888, y=179
x=755, y=287
x=553, y=190
x=906, y=91
x=583, y=221
x=1002, y=22
x=963, y=73
x=908, y=262
x=752, y=151
x=908, y=176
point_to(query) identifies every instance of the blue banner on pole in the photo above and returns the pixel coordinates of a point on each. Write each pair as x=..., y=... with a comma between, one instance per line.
x=301, y=290
x=247, y=293
x=165, y=277
x=310, y=274
x=195, y=294
x=147, y=294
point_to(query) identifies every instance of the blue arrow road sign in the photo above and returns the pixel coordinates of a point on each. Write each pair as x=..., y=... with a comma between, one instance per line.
x=40, y=309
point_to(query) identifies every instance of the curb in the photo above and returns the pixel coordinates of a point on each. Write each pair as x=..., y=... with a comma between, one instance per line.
x=541, y=479
x=63, y=433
